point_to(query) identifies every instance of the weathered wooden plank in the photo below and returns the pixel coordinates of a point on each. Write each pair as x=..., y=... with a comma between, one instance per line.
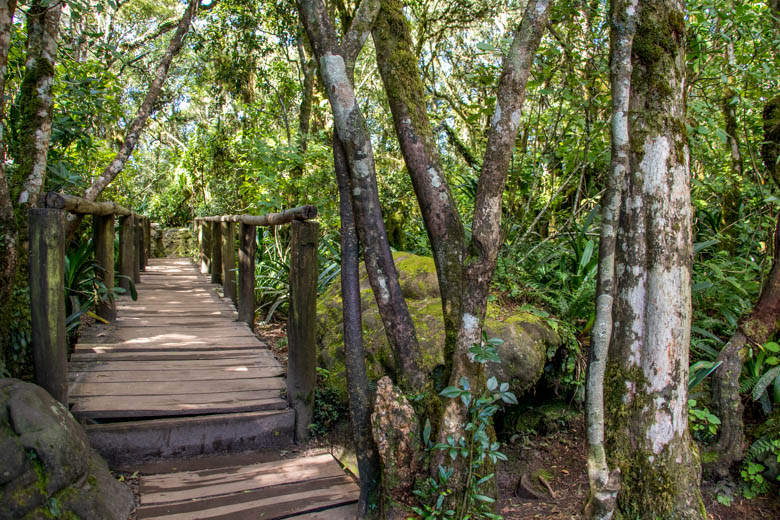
x=131, y=442
x=271, y=503
x=188, y=485
x=149, y=374
x=180, y=333
x=170, y=345
x=334, y=513
x=160, y=355
x=236, y=365
x=117, y=407
x=175, y=387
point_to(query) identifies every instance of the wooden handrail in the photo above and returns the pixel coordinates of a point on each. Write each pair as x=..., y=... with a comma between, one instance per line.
x=307, y=212
x=217, y=248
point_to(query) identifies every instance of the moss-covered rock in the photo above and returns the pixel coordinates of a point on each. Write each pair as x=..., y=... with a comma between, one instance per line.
x=172, y=242
x=51, y=470
x=523, y=353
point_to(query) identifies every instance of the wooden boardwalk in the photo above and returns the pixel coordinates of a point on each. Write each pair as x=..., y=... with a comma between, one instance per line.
x=176, y=375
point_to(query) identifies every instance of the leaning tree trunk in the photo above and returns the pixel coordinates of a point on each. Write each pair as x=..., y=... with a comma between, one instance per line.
x=647, y=373
x=486, y=226
x=604, y=484
x=144, y=111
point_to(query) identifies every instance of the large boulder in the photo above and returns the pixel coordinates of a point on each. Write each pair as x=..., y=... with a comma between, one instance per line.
x=48, y=468
x=526, y=337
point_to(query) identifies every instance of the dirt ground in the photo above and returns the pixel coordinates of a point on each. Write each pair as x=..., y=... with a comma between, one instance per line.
x=560, y=459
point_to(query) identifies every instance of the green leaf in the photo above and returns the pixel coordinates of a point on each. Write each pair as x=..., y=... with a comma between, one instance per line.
x=451, y=392
x=492, y=383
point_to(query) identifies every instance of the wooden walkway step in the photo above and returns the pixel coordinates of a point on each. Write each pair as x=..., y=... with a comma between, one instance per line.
x=177, y=374
x=313, y=487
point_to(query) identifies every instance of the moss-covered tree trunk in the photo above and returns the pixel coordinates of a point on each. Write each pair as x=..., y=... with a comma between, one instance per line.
x=8, y=250
x=29, y=176
x=647, y=371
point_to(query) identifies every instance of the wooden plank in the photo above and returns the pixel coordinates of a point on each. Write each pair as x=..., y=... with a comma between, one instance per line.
x=114, y=407
x=180, y=387
x=266, y=503
x=172, y=344
x=334, y=513
x=233, y=364
x=152, y=374
x=181, y=333
x=188, y=485
x=160, y=355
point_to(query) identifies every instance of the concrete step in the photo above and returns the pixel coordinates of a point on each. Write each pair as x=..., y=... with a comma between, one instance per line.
x=121, y=443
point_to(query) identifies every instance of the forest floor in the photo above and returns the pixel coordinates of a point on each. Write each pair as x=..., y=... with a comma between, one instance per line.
x=557, y=456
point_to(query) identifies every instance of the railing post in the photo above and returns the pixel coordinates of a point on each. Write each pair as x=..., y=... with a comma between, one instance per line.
x=148, y=238
x=302, y=325
x=142, y=244
x=216, y=253
x=228, y=238
x=204, y=242
x=47, y=300
x=137, y=245
x=126, y=254
x=103, y=228
x=247, y=249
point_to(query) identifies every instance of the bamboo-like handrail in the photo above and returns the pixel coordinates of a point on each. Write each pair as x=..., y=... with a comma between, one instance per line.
x=307, y=212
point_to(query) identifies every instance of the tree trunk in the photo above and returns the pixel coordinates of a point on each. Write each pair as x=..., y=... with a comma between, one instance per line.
x=354, y=357
x=8, y=247
x=604, y=484
x=353, y=132
x=486, y=226
x=34, y=135
x=647, y=372
x=406, y=95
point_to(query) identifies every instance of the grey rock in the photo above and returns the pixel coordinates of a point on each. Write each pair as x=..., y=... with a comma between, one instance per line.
x=47, y=462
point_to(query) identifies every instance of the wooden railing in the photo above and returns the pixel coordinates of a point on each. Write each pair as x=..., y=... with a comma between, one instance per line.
x=217, y=249
x=47, y=275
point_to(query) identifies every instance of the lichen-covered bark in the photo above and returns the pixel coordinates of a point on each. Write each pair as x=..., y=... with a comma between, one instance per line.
x=36, y=100
x=647, y=372
x=406, y=95
x=604, y=484
x=352, y=130
x=8, y=246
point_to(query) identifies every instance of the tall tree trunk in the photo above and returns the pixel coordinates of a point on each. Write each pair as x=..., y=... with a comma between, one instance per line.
x=604, y=484
x=8, y=247
x=354, y=357
x=28, y=179
x=406, y=95
x=647, y=372
x=353, y=132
